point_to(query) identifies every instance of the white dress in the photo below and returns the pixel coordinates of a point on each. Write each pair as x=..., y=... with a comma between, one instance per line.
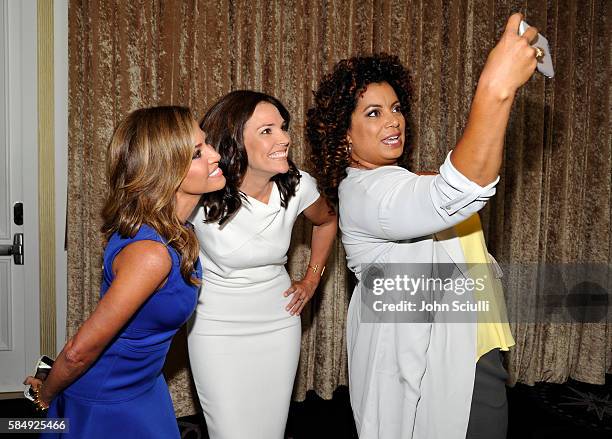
x=244, y=346
x=408, y=380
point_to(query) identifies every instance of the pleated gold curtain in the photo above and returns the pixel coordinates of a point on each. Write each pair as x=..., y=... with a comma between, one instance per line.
x=554, y=199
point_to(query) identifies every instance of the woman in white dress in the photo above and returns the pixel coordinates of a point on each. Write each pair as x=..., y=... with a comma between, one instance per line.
x=244, y=344
x=413, y=380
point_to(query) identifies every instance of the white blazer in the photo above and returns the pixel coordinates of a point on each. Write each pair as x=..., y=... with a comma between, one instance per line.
x=408, y=380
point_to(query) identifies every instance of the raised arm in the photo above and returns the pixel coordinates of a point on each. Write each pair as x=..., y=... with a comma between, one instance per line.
x=468, y=177
x=140, y=269
x=478, y=154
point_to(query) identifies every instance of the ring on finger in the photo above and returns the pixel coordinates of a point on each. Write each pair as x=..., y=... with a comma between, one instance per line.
x=539, y=53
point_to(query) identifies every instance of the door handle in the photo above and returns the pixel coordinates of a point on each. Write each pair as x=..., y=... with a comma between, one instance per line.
x=16, y=249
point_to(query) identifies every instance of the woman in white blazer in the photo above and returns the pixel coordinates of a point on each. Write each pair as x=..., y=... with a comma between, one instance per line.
x=410, y=380
x=244, y=343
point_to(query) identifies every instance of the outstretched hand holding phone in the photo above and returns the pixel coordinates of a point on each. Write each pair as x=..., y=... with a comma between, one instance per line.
x=543, y=56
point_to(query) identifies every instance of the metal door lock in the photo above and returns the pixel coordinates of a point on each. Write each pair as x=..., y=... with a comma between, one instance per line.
x=16, y=249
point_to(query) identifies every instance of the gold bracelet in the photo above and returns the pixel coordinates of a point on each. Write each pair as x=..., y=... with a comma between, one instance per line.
x=38, y=403
x=315, y=269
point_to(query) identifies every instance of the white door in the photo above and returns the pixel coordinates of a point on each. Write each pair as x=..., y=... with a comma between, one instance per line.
x=19, y=297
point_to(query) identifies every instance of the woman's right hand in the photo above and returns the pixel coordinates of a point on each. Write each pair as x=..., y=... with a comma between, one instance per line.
x=511, y=62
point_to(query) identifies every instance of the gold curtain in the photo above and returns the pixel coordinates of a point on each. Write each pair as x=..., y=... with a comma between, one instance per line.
x=553, y=202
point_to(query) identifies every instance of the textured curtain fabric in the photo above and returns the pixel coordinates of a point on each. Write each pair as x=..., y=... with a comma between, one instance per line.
x=554, y=198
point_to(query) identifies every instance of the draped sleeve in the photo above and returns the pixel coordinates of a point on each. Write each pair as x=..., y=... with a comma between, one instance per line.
x=307, y=191
x=391, y=203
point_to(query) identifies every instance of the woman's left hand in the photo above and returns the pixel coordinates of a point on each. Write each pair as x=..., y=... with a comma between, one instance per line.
x=34, y=382
x=36, y=385
x=302, y=291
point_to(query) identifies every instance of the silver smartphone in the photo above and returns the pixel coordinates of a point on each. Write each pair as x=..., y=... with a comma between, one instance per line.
x=545, y=65
x=43, y=367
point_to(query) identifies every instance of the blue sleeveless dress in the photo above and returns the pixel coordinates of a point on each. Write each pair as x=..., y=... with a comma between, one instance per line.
x=124, y=394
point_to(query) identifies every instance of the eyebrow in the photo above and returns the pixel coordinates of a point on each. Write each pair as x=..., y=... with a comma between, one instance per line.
x=378, y=105
x=272, y=124
x=199, y=145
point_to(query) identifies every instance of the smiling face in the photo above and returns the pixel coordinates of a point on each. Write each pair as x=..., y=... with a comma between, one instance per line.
x=377, y=127
x=204, y=174
x=266, y=141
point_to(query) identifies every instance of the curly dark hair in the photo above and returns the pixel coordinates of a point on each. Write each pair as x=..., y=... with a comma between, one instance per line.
x=335, y=100
x=223, y=125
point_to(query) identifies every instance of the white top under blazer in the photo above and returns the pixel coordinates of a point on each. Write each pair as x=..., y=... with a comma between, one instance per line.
x=408, y=380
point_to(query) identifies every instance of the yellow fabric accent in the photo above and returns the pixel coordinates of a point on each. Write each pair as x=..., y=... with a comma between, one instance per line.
x=493, y=329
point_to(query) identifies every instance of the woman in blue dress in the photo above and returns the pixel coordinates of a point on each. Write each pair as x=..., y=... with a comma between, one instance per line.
x=108, y=378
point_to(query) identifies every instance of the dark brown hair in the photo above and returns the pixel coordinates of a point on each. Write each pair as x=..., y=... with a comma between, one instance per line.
x=148, y=157
x=223, y=125
x=328, y=121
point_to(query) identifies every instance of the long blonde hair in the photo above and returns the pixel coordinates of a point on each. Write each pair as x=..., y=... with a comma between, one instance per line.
x=147, y=159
